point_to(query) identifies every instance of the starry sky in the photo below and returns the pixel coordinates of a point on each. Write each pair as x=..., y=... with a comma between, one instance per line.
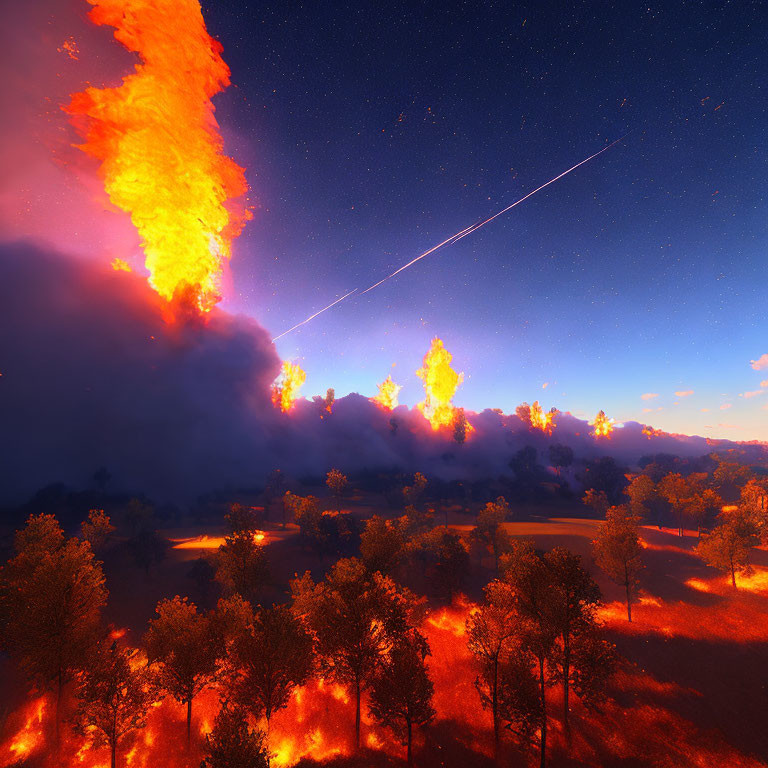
x=371, y=131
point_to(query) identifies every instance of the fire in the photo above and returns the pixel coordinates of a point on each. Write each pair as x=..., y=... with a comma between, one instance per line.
x=440, y=385
x=650, y=432
x=286, y=389
x=388, y=391
x=536, y=417
x=119, y=265
x=160, y=149
x=30, y=737
x=211, y=542
x=603, y=425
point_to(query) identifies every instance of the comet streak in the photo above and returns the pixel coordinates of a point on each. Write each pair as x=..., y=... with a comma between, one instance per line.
x=312, y=317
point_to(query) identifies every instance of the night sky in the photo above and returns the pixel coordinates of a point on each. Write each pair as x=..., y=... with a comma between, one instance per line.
x=372, y=131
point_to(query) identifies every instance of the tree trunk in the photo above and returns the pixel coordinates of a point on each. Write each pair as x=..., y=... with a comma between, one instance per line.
x=629, y=602
x=357, y=715
x=543, y=700
x=114, y=754
x=495, y=709
x=566, y=677
x=57, y=742
x=733, y=577
x=189, y=720
x=410, y=737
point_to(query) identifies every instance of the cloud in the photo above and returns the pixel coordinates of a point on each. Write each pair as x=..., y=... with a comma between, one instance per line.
x=764, y=383
x=649, y=395
x=684, y=393
x=705, y=410
x=545, y=385
x=753, y=393
x=647, y=410
x=761, y=363
x=726, y=406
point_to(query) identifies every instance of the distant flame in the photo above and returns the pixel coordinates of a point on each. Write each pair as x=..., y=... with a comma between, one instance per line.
x=536, y=417
x=286, y=389
x=160, y=148
x=603, y=425
x=650, y=432
x=388, y=392
x=119, y=265
x=440, y=385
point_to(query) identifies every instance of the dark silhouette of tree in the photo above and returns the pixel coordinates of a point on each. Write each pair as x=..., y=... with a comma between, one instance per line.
x=97, y=529
x=519, y=700
x=233, y=744
x=355, y=616
x=242, y=519
x=382, y=544
x=139, y=515
x=401, y=690
x=460, y=426
x=337, y=483
x=181, y=645
x=729, y=545
x=489, y=531
x=148, y=549
x=573, y=601
x=272, y=657
x=202, y=573
x=493, y=638
x=618, y=552
x=604, y=474
x=446, y=561
x=51, y=596
x=114, y=696
x=241, y=565
x=101, y=477
x=560, y=456
x=596, y=500
x=413, y=494
x=274, y=489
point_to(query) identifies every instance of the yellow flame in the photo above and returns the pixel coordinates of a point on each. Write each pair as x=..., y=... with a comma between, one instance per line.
x=440, y=385
x=603, y=425
x=286, y=389
x=388, y=392
x=650, y=432
x=159, y=145
x=119, y=265
x=541, y=419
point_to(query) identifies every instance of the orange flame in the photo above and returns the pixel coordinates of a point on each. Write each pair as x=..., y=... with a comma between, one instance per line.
x=603, y=425
x=536, y=417
x=440, y=385
x=160, y=149
x=30, y=737
x=120, y=265
x=286, y=389
x=650, y=432
x=388, y=391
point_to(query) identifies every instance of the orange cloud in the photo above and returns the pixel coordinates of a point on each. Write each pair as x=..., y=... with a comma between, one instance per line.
x=753, y=393
x=726, y=406
x=649, y=395
x=684, y=393
x=761, y=362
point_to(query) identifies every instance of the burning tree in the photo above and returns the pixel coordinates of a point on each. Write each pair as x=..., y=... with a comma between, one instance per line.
x=355, y=617
x=270, y=657
x=536, y=418
x=232, y=744
x=286, y=388
x=382, y=544
x=51, y=596
x=388, y=392
x=337, y=483
x=401, y=690
x=603, y=426
x=729, y=545
x=114, y=695
x=180, y=642
x=440, y=385
x=618, y=552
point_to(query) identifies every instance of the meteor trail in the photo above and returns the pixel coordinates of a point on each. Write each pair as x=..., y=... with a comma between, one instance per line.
x=312, y=317
x=472, y=228
x=453, y=238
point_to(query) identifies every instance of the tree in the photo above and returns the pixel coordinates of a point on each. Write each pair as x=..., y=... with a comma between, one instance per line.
x=729, y=545
x=674, y=488
x=573, y=601
x=489, y=531
x=241, y=565
x=337, y=483
x=644, y=498
x=618, y=552
x=401, y=690
x=493, y=639
x=460, y=426
x=97, y=529
x=113, y=697
x=148, y=548
x=272, y=657
x=355, y=616
x=597, y=500
x=51, y=596
x=754, y=502
x=604, y=474
x=275, y=489
x=560, y=456
x=180, y=642
x=242, y=519
x=531, y=582
x=232, y=744
x=382, y=544
x=414, y=493
x=446, y=559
